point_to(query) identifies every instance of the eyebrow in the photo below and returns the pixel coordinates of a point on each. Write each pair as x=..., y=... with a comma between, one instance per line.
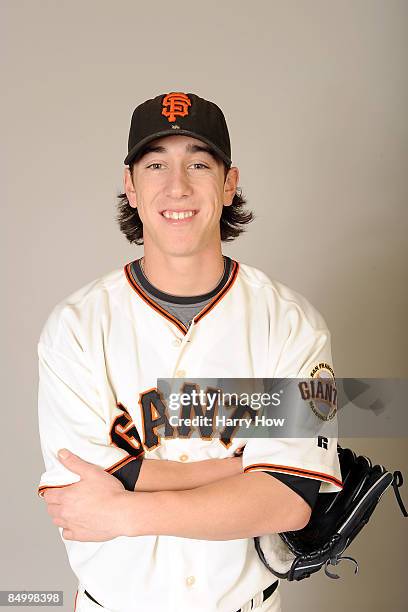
x=190, y=148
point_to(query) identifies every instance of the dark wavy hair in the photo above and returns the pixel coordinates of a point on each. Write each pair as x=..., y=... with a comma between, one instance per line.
x=232, y=222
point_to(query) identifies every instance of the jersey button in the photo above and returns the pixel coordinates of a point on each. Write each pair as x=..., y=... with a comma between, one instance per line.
x=180, y=373
x=177, y=342
x=183, y=457
x=190, y=580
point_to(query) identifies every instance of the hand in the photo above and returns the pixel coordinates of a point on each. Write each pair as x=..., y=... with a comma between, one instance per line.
x=88, y=510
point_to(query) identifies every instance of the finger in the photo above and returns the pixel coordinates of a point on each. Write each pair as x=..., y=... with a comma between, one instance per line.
x=52, y=496
x=81, y=535
x=54, y=510
x=74, y=463
x=67, y=534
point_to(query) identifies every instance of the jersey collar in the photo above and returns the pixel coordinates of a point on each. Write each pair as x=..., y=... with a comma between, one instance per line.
x=133, y=270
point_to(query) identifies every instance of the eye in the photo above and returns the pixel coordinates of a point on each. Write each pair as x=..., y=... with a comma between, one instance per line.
x=200, y=164
x=154, y=164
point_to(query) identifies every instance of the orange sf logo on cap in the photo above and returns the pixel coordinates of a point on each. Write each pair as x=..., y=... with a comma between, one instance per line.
x=175, y=104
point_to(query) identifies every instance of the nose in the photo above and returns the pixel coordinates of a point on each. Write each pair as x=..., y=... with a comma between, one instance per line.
x=178, y=183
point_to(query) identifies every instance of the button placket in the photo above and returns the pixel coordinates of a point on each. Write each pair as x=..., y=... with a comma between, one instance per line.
x=190, y=580
x=180, y=372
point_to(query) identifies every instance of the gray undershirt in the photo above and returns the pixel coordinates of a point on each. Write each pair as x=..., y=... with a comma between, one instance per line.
x=183, y=312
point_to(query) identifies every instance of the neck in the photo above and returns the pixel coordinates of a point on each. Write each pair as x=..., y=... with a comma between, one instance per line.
x=184, y=276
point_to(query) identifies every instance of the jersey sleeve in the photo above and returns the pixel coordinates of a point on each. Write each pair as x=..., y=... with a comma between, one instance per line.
x=307, y=488
x=71, y=414
x=305, y=355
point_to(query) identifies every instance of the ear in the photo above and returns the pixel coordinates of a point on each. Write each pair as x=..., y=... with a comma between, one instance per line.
x=129, y=188
x=231, y=185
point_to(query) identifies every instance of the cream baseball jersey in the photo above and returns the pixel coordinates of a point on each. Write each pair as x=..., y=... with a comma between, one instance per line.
x=101, y=352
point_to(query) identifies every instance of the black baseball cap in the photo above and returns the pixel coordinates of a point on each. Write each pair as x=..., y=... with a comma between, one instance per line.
x=179, y=113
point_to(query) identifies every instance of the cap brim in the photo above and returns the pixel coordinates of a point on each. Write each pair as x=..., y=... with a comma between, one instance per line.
x=171, y=132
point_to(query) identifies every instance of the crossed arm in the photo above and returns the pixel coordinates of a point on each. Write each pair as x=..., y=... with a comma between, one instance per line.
x=163, y=475
x=210, y=499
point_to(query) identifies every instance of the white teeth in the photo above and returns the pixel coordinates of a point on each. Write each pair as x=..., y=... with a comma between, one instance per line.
x=177, y=215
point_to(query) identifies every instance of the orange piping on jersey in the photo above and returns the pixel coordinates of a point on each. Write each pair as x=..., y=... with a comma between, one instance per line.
x=114, y=467
x=221, y=294
x=167, y=315
x=294, y=471
x=121, y=463
x=43, y=487
x=75, y=600
x=151, y=303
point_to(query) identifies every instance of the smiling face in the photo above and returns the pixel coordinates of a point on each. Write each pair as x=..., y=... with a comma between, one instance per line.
x=178, y=189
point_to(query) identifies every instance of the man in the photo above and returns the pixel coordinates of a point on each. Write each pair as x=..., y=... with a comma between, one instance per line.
x=153, y=517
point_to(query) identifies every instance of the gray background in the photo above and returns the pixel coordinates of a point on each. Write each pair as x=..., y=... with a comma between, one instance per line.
x=315, y=95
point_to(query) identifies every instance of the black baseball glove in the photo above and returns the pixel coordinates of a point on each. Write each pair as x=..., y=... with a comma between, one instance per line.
x=335, y=521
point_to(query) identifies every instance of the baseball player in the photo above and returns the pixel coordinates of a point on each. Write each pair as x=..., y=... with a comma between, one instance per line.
x=152, y=517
